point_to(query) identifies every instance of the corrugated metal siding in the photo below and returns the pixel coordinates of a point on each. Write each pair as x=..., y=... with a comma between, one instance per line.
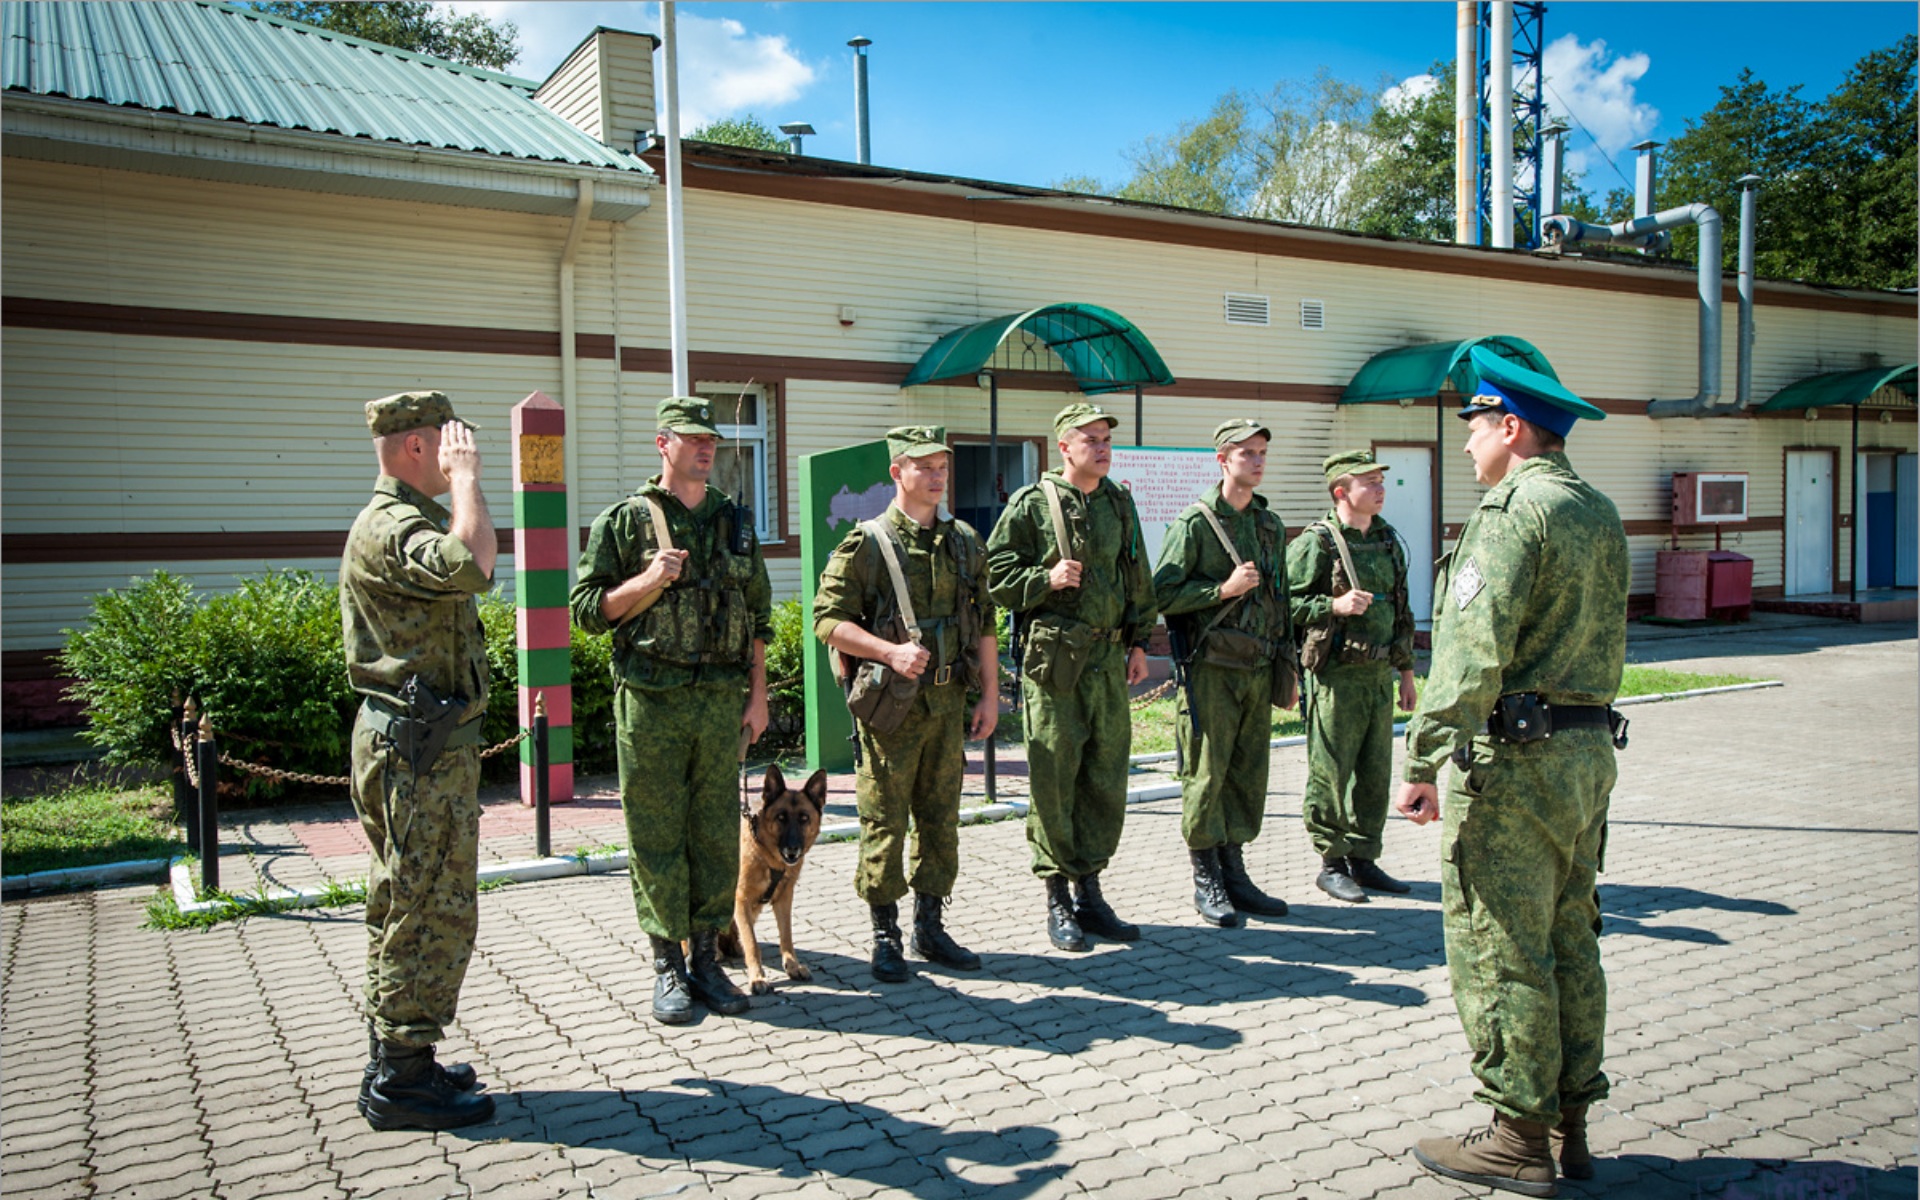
x=235, y=64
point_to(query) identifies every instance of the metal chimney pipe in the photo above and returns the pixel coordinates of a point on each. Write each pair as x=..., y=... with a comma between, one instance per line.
x=1743, y=375
x=1466, y=123
x=862, y=149
x=1643, y=180
x=676, y=219
x=1553, y=168
x=1500, y=124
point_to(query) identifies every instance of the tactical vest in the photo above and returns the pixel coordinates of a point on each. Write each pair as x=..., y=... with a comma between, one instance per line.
x=962, y=631
x=702, y=617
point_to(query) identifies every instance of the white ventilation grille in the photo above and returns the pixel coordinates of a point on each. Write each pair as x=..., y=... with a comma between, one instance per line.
x=1245, y=309
x=1313, y=314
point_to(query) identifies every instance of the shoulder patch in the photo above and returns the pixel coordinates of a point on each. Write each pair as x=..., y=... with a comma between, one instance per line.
x=1468, y=583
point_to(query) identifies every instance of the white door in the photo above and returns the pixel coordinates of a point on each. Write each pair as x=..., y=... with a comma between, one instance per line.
x=1410, y=510
x=1904, y=498
x=1809, y=522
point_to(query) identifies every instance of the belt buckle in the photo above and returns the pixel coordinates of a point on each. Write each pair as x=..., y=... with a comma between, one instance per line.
x=943, y=676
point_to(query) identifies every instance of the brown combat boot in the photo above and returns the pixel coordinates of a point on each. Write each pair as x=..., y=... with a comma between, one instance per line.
x=1569, y=1140
x=1509, y=1154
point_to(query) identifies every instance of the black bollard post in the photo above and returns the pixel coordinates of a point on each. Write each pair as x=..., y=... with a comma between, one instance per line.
x=209, y=766
x=542, y=827
x=186, y=807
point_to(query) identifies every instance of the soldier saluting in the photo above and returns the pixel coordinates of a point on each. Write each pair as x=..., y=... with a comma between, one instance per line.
x=1066, y=556
x=1222, y=584
x=1529, y=640
x=907, y=593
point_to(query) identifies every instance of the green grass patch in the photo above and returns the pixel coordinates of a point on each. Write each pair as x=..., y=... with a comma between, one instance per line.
x=84, y=826
x=1655, y=681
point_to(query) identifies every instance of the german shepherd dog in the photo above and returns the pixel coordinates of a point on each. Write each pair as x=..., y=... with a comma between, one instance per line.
x=777, y=828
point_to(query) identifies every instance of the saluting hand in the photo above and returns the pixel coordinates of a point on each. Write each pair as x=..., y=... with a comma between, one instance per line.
x=1244, y=579
x=1065, y=574
x=459, y=456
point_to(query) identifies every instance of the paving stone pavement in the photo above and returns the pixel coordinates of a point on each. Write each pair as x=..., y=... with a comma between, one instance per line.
x=1760, y=943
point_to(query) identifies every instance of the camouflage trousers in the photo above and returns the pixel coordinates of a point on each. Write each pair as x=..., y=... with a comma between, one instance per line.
x=679, y=753
x=1223, y=781
x=422, y=900
x=1522, y=841
x=1077, y=748
x=913, y=773
x=1349, y=757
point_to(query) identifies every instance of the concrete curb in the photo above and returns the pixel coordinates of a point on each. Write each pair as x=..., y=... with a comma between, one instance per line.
x=533, y=869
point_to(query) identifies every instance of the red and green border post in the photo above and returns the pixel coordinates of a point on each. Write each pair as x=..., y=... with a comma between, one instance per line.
x=540, y=557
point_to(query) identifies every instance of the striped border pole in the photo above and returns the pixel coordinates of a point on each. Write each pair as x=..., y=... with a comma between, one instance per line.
x=540, y=555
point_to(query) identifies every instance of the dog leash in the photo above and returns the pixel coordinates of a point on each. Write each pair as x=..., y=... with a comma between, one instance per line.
x=746, y=739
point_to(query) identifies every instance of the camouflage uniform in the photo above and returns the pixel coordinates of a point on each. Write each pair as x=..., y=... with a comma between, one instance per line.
x=917, y=769
x=681, y=672
x=1533, y=599
x=1349, y=704
x=1077, y=741
x=407, y=607
x=1224, y=772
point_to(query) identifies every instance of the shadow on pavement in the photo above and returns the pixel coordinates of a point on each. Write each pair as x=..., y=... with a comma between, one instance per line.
x=1625, y=907
x=1709, y=1178
x=760, y=1128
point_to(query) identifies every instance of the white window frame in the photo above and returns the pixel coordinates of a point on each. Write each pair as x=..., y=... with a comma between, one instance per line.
x=758, y=435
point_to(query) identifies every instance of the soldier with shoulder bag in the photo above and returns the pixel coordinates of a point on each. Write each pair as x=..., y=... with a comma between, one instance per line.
x=1222, y=583
x=904, y=597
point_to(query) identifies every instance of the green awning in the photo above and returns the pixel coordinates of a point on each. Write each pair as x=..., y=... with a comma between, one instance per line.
x=1102, y=349
x=1847, y=387
x=1416, y=372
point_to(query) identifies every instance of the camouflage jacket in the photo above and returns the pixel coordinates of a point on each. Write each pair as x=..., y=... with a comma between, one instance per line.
x=1313, y=563
x=1193, y=565
x=1103, y=533
x=855, y=585
x=703, y=626
x=1532, y=599
x=407, y=604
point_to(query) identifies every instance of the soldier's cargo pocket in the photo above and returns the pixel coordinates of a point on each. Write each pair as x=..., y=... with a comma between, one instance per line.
x=1055, y=657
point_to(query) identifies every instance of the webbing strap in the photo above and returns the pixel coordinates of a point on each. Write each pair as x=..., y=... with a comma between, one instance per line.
x=1220, y=531
x=663, y=538
x=1346, y=557
x=1059, y=518
x=879, y=533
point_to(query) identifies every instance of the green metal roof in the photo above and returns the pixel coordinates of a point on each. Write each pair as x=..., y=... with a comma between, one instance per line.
x=1102, y=349
x=1846, y=387
x=236, y=64
x=1415, y=372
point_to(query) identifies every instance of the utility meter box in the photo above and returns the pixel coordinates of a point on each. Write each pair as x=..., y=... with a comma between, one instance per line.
x=1709, y=497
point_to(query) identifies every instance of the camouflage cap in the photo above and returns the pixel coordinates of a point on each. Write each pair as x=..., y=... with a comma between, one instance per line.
x=1073, y=416
x=411, y=410
x=1349, y=462
x=916, y=441
x=1239, y=429
x=685, y=414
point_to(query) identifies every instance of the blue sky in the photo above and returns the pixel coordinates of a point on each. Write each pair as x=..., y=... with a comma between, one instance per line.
x=1033, y=92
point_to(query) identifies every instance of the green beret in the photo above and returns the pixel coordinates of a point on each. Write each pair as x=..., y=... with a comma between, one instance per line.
x=411, y=410
x=1073, y=416
x=1349, y=462
x=1239, y=429
x=917, y=441
x=686, y=414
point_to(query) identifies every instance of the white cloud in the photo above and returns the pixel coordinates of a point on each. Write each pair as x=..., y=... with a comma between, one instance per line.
x=1595, y=89
x=1409, y=90
x=725, y=70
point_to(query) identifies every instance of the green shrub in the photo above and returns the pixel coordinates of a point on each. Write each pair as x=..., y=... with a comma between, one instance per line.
x=132, y=659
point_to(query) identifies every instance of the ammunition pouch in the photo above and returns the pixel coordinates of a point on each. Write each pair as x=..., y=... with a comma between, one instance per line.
x=1058, y=651
x=428, y=726
x=1322, y=645
x=880, y=697
x=1235, y=649
x=1286, y=682
x=1353, y=650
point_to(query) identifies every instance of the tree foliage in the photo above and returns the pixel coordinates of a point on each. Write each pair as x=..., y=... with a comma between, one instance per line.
x=748, y=131
x=424, y=28
x=1839, y=201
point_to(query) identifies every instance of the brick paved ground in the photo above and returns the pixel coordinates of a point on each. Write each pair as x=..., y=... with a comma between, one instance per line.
x=1760, y=944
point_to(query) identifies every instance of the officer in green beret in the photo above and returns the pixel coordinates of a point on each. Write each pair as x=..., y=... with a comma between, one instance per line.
x=1222, y=584
x=1529, y=641
x=926, y=652
x=1065, y=556
x=417, y=657
x=1348, y=574
x=675, y=572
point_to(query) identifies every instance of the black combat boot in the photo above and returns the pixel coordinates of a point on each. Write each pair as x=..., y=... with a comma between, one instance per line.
x=931, y=940
x=1240, y=888
x=1368, y=874
x=409, y=1091
x=1095, y=915
x=1062, y=930
x=709, y=984
x=889, y=965
x=1335, y=881
x=1210, y=890
x=459, y=1075
x=672, y=1001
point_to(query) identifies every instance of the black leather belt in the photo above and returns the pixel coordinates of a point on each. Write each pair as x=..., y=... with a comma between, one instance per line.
x=1522, y=717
